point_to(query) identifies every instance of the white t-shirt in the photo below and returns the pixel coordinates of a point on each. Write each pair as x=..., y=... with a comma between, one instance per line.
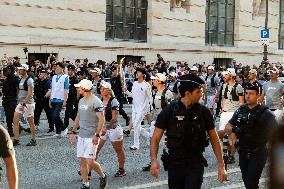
x=141, y=94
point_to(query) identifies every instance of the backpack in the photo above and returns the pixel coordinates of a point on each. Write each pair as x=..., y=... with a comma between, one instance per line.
x=26, y=83
x=213, y=84
x=163, y=98
x=108, y=110
x=233, y=93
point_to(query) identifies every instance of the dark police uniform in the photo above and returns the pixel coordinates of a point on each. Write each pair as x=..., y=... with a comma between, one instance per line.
x=6, y=144
x=186, y=131
x=72, y=102
x=252, y=127
x=41, y=102
x=117, y=89
x=10, y=92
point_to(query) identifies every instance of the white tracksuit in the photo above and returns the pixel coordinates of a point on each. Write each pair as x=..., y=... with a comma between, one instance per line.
x=141, y=94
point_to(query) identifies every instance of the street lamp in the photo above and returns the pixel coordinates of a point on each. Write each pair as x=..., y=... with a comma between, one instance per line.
x=265, y=52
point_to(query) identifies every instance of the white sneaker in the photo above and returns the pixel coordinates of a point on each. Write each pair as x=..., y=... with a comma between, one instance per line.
x=64, y=133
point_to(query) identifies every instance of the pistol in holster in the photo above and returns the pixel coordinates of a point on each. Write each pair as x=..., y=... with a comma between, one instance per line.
x=165, y=159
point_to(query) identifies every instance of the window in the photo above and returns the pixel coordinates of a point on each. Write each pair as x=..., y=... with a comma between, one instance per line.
x=281, y=25
x=126, y=20
x=220, y=16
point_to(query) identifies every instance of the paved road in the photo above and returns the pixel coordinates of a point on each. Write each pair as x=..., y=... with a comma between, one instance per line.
x=52, y=164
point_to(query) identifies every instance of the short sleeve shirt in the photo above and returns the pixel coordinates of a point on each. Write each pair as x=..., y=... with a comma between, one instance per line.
x=273, y=93
x=158, y=100
x=167, y=113
x=23, y=93
x=211, y=91
x=88, y=110
x=114, y=106
x=6, y=144
x=230, y=105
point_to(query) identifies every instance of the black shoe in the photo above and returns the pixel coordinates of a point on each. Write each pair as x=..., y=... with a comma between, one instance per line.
x=120, y=173
x=127, y=121
x=16, y=142
x=133, y=148
x=89, y=175
x=147, y=168
x=84, y=187
x=126, y=132
x=103, y=182
x=231, y=160
x=32, y=143
x=50, y=130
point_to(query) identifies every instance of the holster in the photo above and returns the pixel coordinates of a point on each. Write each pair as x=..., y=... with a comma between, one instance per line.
x=165, y=159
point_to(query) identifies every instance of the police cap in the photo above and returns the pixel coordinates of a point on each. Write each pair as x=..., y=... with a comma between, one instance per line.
x=43, y=70
x=11, y=67
x=189, y=82
x=71, y=67
x=253, y=86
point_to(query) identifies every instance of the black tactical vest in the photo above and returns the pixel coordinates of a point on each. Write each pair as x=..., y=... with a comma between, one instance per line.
x=186, y=135
x=108, y=110
x=249, y=130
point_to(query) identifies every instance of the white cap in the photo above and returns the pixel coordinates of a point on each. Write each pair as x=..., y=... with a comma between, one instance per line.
x=173, y=74
x=106, y=85
x=160, y=77
x=23, y=67
x=273, y=70
x=210, y=68
x=97, y=70
x=230, y=71
x=194, y=68
x=85, y=84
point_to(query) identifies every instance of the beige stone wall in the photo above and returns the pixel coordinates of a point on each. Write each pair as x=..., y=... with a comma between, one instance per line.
x=75, y=28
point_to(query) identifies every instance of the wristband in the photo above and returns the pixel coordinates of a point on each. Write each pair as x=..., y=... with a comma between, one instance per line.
x=97, y=135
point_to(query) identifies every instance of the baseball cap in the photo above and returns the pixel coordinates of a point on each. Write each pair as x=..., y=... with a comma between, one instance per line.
x=230, y=71
x=60, y=64
x=173, y=74
x=43, y=70
x=97, y=70
x=11, y=67
x=194, y=68
x=160, y=77
x=210, y=68
x=86, y=84
x=253, y=71
x=71, y=67
x=106, y=85
x=23, y=67
x=273, y=70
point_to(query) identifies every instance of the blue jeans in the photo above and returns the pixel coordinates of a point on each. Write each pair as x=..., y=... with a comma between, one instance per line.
x=56, y=109
x=186, y=177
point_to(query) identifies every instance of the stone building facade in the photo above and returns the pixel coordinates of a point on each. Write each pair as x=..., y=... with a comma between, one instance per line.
x=178, y=30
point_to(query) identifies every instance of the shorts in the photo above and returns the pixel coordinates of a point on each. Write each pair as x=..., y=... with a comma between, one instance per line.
x=114, y=135
x=224, y=119
x=28, y=110
x=86, y=148
x=211, y=102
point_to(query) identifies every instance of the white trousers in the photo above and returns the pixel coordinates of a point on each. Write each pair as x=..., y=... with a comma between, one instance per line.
x=137, y=118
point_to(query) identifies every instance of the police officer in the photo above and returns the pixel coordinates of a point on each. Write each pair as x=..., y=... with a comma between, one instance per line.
x=42, y=93
x=73, y=96
x=7, y=152
x=10, y=92
x=251, y=124
x=116, y=86
x=187, y=124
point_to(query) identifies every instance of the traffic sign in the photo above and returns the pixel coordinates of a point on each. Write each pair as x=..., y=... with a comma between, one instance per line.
x=264, y=34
